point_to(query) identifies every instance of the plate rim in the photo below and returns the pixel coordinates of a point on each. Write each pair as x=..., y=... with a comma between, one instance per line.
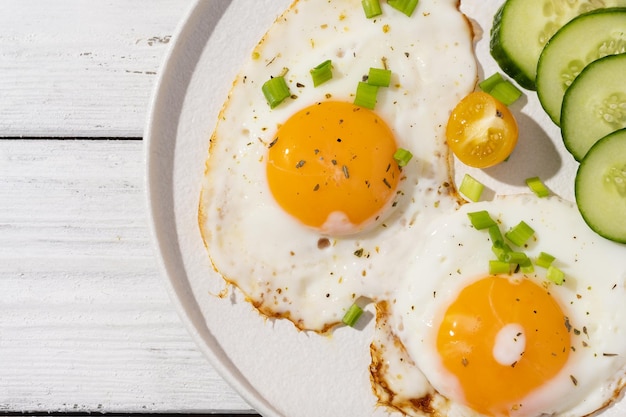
x=191, y=317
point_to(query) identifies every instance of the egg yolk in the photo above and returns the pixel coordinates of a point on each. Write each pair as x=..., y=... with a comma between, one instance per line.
x=502, y=339
x=331, y=167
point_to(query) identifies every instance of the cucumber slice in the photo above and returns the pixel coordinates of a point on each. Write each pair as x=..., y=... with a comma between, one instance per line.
x=521, y=28
x=584, y=39
x=600, y=187
x=594, y=105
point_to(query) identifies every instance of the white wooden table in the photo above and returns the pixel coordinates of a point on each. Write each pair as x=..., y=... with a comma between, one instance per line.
x=86, y=324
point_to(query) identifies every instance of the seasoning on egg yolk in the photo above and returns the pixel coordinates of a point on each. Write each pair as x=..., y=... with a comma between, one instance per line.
x=502, y=339
x=331, y=167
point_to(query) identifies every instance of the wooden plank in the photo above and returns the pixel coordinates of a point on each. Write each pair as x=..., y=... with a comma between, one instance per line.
x=86, y=322
x=81, y=68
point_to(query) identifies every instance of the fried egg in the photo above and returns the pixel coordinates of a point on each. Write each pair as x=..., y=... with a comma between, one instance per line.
x=303, y=206
x=458, y=341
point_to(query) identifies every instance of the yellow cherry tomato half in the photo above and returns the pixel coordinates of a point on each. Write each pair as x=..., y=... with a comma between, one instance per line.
x=481, y=131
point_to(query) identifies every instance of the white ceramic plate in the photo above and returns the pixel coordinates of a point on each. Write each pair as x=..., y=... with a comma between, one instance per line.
x=278, y=370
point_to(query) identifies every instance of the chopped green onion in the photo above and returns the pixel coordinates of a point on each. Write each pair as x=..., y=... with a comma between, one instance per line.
x=526, y=266
x=380, y=77
x=496, y=235
x=499, y=267
x=555, y=275
x=405, y=6
x=275, y=91
x=506, y=92
x=366, y=95
x=501, y=251
x=402, y=157
x=322, y=73
x=371, y=8
x=488, y=83
x=352, y=315
x=520, y=234
x=537, y=187
x=481, y=219
x=503, y=90
x=544, y=260
x=516, y=258
x=471, y=188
